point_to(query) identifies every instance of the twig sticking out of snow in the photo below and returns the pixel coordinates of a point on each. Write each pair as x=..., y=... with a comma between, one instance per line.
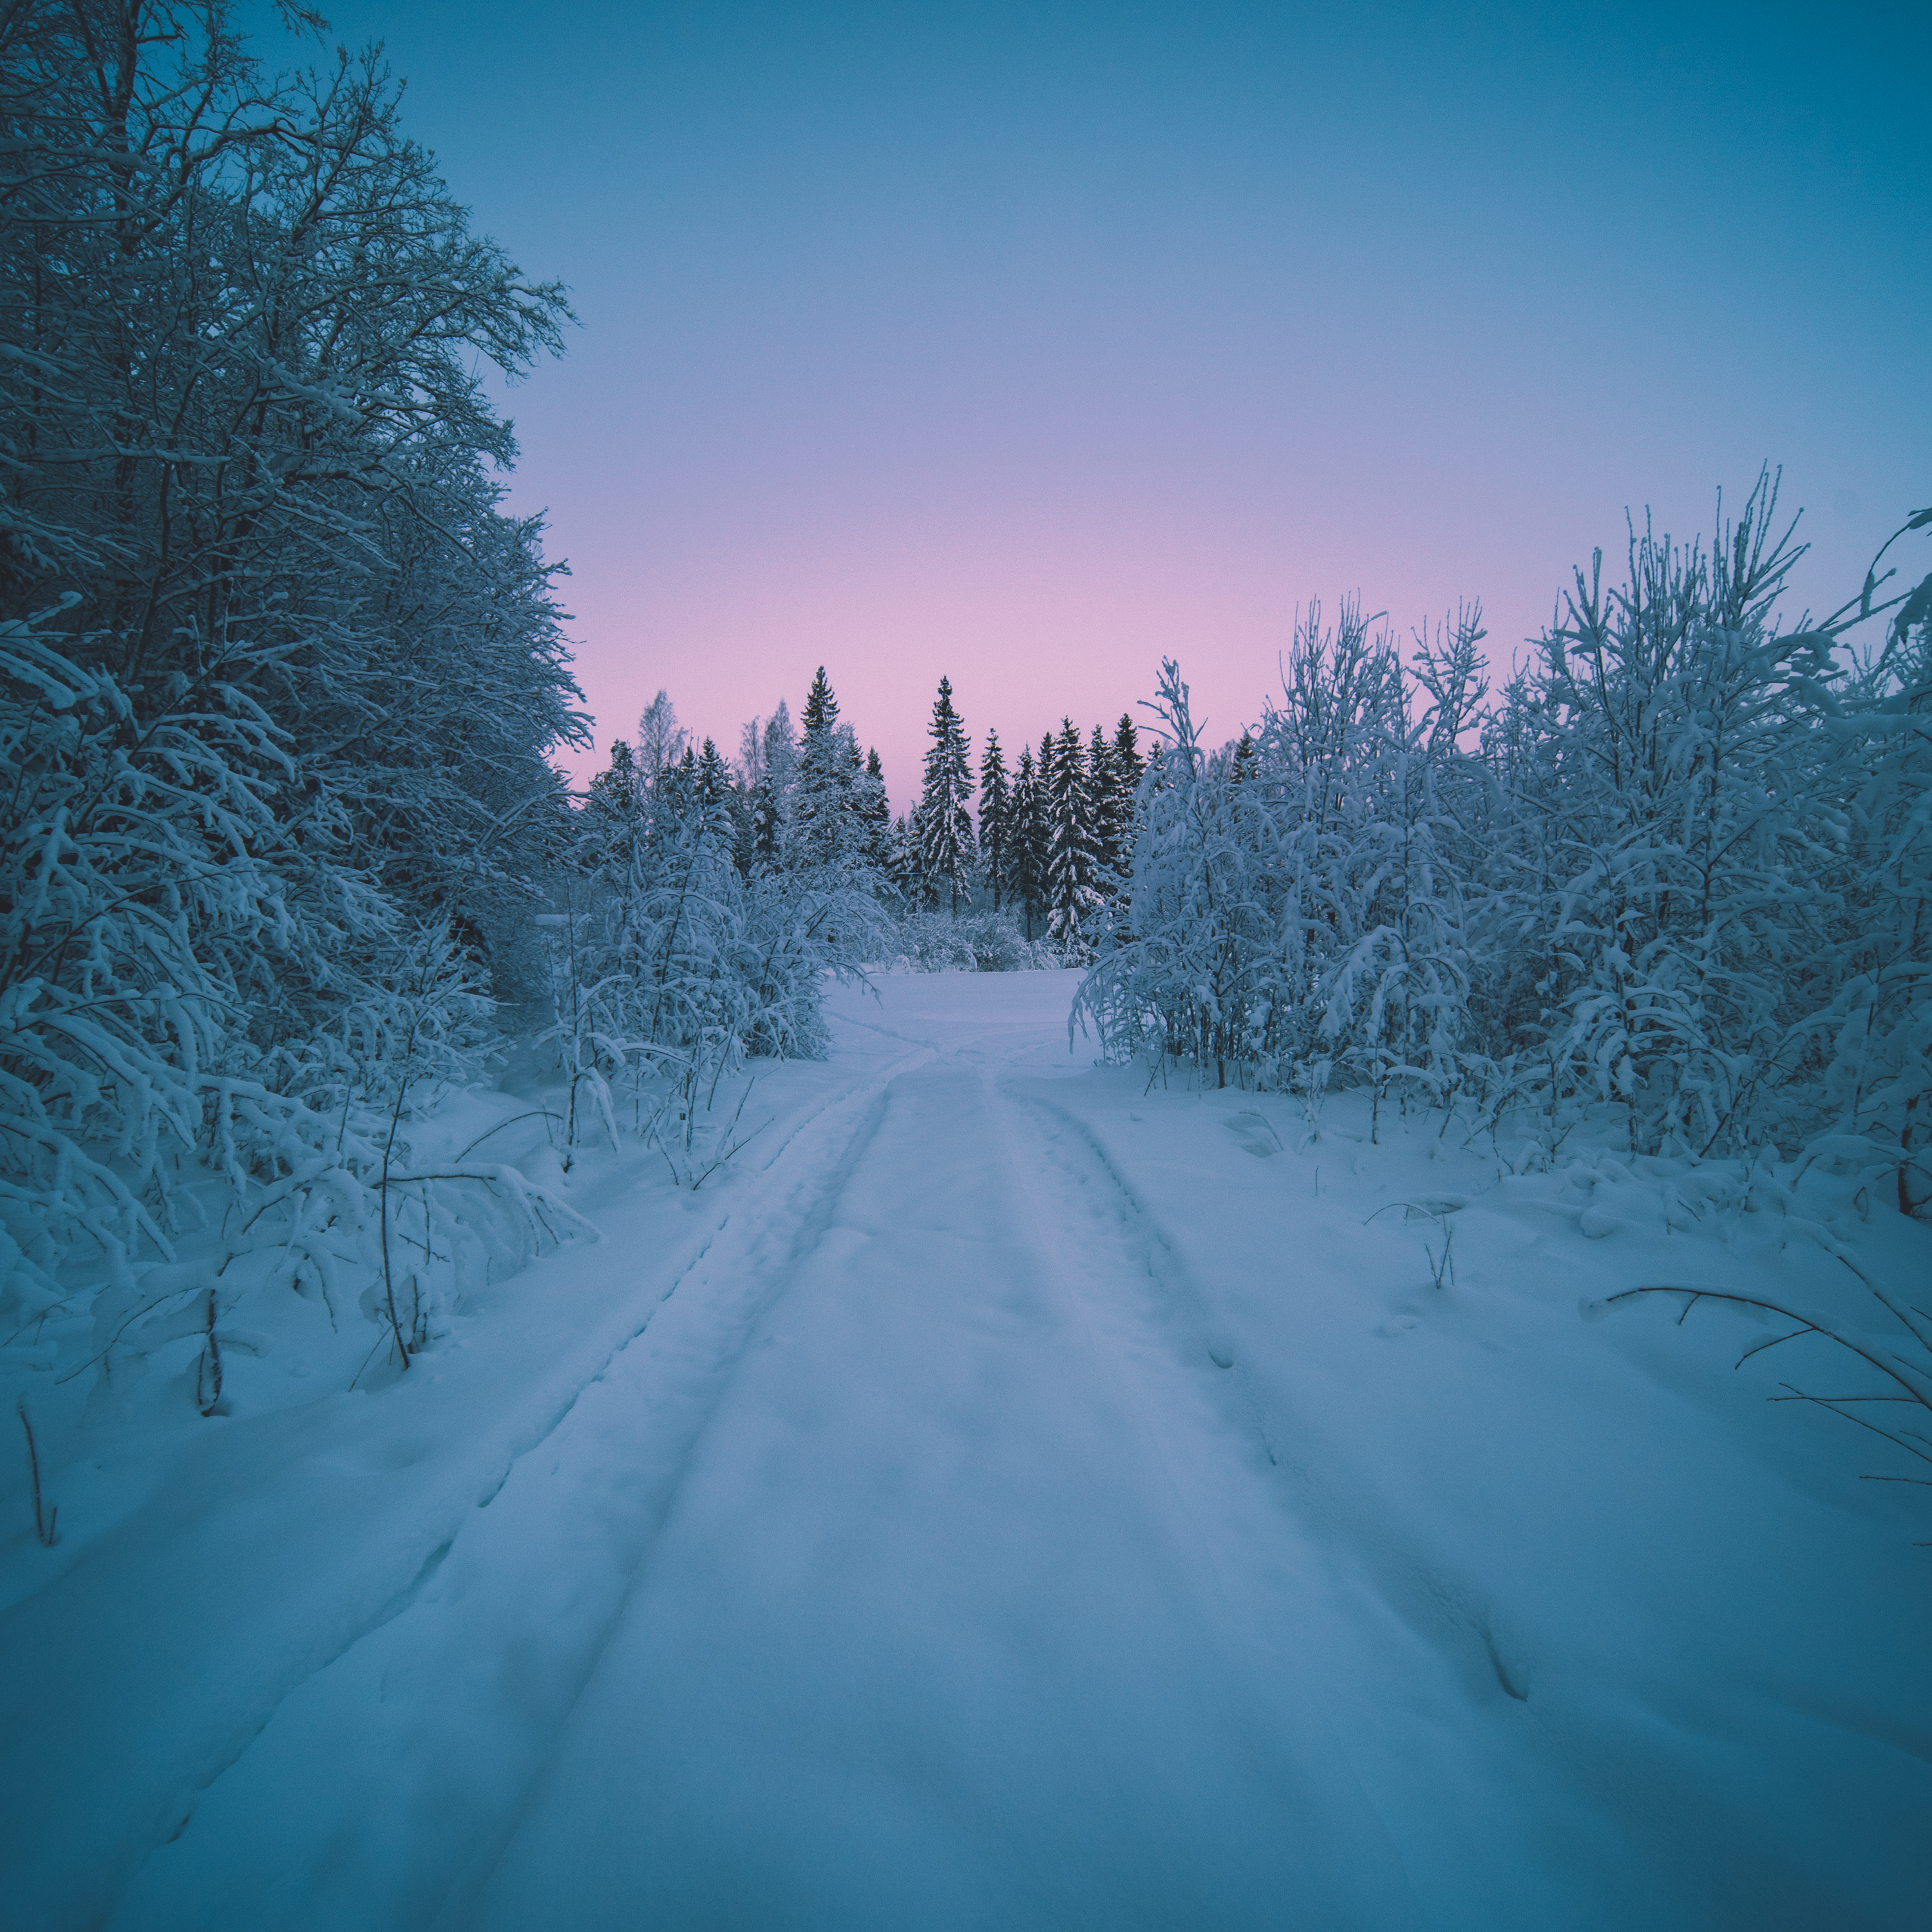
x=1911, y=1379
x=45, y=1522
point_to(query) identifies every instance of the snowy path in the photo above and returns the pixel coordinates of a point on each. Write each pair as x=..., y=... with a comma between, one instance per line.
x=933, y=1636
x=933, y=1537
x=905, y=1611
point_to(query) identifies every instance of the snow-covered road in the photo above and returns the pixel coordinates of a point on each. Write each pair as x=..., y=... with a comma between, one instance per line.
x=1010, y=1501
x=945, y=1627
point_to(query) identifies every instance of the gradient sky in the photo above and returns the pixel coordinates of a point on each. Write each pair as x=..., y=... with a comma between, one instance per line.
x=1031, y=344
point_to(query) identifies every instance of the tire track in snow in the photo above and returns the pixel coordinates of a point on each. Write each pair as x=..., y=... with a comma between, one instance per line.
x=1166, y=1302
x=1348, y=1511
x=869, y=1094
x=775, y=1248
x=1272, y=1539
x=749, y=1255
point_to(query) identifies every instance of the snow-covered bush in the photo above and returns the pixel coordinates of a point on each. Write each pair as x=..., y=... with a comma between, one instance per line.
x=973, y=942
x=1714, y=875
x=1676, y=879
x=1669, y=855
x=1374, y=809
x=1195, y=974
x=1295, y=911
x=672, y=967
x=1873, y=1037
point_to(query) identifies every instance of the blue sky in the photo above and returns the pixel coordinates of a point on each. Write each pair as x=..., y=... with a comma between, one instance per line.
x=1031, y=344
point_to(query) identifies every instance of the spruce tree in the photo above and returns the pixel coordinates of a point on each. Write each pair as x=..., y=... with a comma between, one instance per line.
x=1070, y=860
x=742, y=801
x=1107, y=805
x=708, y=807
x=821, y=707
x=821, y=818
x=672, y=805
x=1043, y=824
x=943, y=824
x=903, y=870
x=995, y=821
x=1128, y=765
x=873, y=812
x=714, y=780
x=615, y=792
x=1027, y=854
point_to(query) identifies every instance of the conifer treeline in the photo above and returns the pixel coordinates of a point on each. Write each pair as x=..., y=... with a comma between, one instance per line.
x=1047, y=842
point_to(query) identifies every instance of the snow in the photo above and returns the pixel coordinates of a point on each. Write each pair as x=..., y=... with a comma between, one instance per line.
x=1006, y=1495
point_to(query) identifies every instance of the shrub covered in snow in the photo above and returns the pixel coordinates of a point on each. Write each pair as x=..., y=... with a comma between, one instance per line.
x=1680, y=874
x=973, y=942
x=673, y=966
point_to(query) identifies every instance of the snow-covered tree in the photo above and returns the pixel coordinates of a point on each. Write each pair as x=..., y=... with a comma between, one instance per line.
x=279, y=675
x=825, y=828
x=772, y=799
x=1129, y=765
x=617, y=792
x=1027, y=843
x=1676, y=879
x=661, y=739
x=995, y=820
x=1679, y=758
x=1071, y=856
x=1110, y=795
x=750, y=764
x=1194, y=981
x=677, y=967
x=943, y=823
x=873, y=810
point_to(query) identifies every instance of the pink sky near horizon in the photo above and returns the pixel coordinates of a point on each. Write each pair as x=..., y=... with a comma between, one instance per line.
x=1035, y=623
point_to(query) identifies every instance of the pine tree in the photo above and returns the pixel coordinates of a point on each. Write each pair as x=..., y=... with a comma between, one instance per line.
x=943, y=825
x=1071, y=868
x=823, y=829
x=1027, y=859
x=873, y=812
x=995, y=820
x=1108, y=807
x=1128, y=765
